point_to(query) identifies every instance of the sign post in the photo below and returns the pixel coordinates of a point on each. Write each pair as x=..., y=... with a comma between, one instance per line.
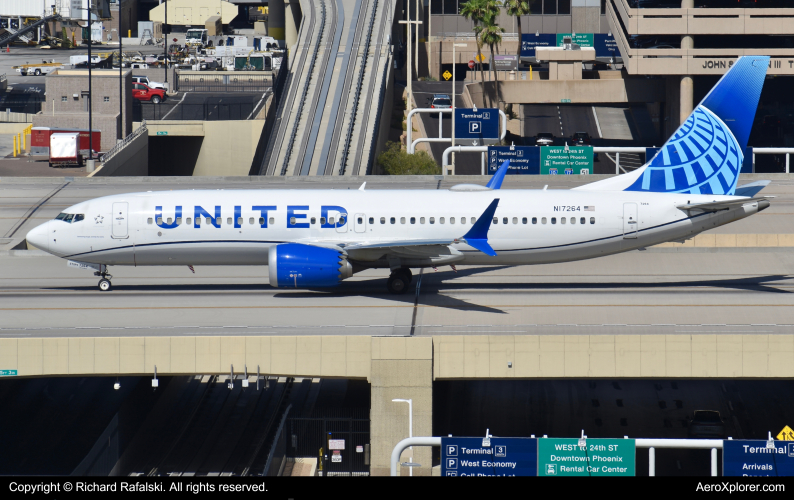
x=499, y=457
x=570, y=160
x=597, y=457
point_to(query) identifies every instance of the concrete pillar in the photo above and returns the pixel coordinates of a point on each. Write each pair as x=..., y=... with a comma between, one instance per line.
x=291, y=13
x=402, y=368
x=275, y=19
x=586, y=16
x=687, y=86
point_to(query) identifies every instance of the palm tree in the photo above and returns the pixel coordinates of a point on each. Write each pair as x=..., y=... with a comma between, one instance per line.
x=518, y=8
x=479, y=11
x=491, y=35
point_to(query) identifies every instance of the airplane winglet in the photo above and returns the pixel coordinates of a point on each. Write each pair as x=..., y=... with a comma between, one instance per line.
x=499, y=176
x=477, y=237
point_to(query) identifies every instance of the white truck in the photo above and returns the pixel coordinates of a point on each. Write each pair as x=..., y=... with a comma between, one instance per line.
x=196, y=38
x=76, y=60
x=44, y=68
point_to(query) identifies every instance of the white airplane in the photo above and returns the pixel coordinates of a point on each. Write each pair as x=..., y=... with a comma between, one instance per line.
x=317, y=238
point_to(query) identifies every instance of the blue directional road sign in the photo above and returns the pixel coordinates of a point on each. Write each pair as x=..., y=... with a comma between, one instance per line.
x=530, y=41
x=481, y=126
x=504, y=457
x=753, y=458
x=523, y=159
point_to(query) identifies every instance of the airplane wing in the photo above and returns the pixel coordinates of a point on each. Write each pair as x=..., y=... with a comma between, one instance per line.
x=724, y=205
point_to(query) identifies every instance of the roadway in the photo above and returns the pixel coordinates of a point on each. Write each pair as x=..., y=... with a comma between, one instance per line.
x=658, y=291
x=203, y=106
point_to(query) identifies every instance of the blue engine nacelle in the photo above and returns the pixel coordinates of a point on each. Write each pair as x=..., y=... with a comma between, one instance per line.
x=292, y=265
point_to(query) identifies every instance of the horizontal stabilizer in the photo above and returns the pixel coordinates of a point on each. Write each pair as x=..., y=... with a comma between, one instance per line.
x=751, y=189
x=725, y=205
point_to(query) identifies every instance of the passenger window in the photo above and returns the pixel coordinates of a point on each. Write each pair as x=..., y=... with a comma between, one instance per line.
x=504, y=220
x=209, y=220
x=313, y=220
x=228, y=221
x=322, y=220
x=169, y=220
x=392, y=220
x=383, y=220
x=592, y=220
x=261, y=221
x=496, y=220
x=452, y=220
x=543, y=220
x=554, y=220
x=463, y=220
x=421, y=220
x=149, y=220
x=534, y=220
x=292, y=221
x=582, y=220
x=271, y=220
x=331, y=220
x=573, y=220
x=562, y=220
x=198, y=221
x=515, y=220
x=69, y=219
x=188, y=221
x=360, y=220
x=441, y=220
x=251, y=221
x=342, y=220
x=432, y=220
x=473, y=220
x=372, y=220
x=524, y=220
x=239, y=221
x=402, y=220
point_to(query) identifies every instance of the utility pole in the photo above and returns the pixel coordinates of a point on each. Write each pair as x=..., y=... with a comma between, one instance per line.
x=121, y=80
x=165, y=44
x=409, y=51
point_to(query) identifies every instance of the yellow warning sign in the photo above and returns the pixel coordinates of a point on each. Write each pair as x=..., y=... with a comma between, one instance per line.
x=447, y=75
x=787, y=434
x=481, y=58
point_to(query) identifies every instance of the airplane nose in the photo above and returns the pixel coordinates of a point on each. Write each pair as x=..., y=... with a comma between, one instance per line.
x=39, y=237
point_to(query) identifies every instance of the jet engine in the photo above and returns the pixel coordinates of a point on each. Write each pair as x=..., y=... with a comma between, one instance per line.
x=293, y=265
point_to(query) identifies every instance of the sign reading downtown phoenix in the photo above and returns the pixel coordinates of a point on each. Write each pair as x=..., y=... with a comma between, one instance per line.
x=573, y=160
x=598, y=457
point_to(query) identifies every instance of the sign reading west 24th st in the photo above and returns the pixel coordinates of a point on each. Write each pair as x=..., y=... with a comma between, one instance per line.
x=598, y=457
x=753, y=458
x=504, y=457
x=481, y=126
x=571, y=160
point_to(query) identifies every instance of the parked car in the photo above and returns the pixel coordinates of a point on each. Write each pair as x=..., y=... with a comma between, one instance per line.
x=544, y=139
x=149, y=83
x=706, y=424
x=442, y=101
x=143, y=92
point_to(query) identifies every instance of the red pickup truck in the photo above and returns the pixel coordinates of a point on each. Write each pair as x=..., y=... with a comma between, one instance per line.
x=145, y=93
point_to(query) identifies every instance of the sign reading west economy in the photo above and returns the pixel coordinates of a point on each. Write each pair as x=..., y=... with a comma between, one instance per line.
x=561, y=160
x=753, y=458
x=481, y=126
x=598, y=457
x=504, y=457
x=604, y=44
x=523, y=159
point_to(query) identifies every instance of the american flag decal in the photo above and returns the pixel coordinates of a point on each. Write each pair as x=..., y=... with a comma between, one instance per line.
x=589, y=208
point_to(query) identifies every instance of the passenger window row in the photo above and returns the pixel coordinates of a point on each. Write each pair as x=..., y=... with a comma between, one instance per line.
x=392, y=220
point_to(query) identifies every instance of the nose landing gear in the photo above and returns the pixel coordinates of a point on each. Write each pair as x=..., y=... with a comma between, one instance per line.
x=104, y=284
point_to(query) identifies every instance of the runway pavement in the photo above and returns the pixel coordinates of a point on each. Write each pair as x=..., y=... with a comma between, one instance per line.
x=658, y=291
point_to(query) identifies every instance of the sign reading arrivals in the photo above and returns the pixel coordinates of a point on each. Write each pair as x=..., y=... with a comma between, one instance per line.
x=504, y=457
x=598, y=457
x=756, y=458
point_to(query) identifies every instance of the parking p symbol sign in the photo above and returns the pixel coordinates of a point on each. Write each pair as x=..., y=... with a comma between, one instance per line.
x=452, y=463
x=475, y=127
x=452, y=450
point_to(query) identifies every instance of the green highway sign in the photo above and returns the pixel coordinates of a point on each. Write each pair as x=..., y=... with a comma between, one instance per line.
x=561, y=160
x=8, y=373
x=583, y=39
x=598, y=457
x=565, y=100
x=162, y=132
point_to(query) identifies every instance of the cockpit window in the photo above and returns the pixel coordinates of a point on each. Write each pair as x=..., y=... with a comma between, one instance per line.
x=70, y=218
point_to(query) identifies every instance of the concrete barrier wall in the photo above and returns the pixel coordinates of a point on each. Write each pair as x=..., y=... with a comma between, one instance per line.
x=133, y=159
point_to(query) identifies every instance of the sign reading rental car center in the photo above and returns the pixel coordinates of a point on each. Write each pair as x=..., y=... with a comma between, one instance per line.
x=598, y=457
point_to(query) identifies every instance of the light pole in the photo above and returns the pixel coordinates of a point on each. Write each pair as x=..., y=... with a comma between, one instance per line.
x=409, y=51
x=165, y=44
x=121, y=79
x=454, y=64
x=410, y=427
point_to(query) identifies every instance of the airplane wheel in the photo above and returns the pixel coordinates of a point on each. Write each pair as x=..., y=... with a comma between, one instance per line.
x=397, y=283
x=104, y=285
x=408, y=274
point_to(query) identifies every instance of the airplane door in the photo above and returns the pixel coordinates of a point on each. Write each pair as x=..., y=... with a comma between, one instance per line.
x=630, y=220
x=360, y=223
x=341, y=223
x=120, y=220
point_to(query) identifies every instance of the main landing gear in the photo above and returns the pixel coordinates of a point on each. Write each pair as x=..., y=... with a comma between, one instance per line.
x=399, y=280
x=104, y=284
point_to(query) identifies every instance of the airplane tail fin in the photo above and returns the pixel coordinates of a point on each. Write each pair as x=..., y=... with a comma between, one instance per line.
x=705, y=154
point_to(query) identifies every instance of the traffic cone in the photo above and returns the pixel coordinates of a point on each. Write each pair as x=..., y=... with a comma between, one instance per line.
x=8, y=48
